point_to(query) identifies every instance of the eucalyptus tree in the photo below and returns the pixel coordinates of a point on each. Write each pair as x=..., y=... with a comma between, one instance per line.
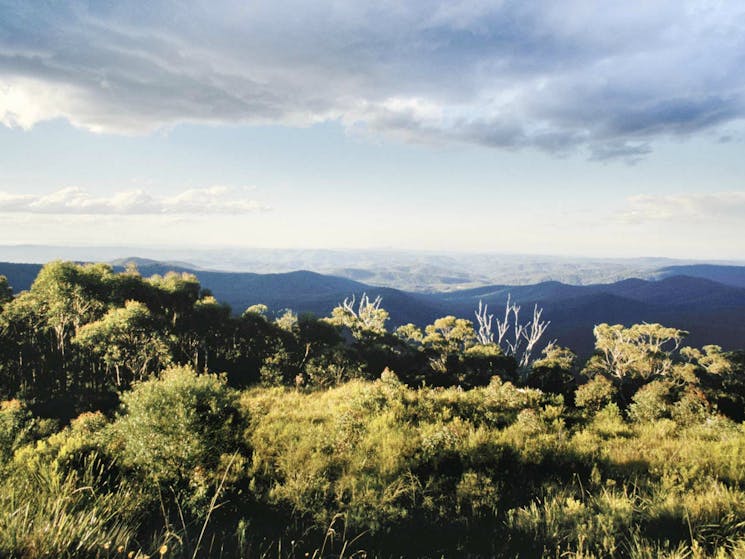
x=200, y=332
x=175, y=295
x=24, y=348
x=517, y=339
x=6, y=291
x=446, y=339
x=642, y=351
x=364, y=320
x=128, y=341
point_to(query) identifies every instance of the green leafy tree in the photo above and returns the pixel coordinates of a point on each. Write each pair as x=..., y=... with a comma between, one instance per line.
x=175, y=293
x=128, y=341
x=554, y=371
x=410, y=334
x=595, y=394
x=6, y=292
x=445, y=340
x=483, y=361
x=25, y=353
x=67, y=296
x=449, y=335
x=202, y=332
x=643, y=351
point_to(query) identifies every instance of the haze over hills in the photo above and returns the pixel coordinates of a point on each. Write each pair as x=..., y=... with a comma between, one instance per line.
x=418, y=271
x=729, y=275
x=710, y=310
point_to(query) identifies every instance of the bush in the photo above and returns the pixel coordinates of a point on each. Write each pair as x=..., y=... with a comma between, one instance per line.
x=652, y=401
x=595, y=394
x=15, y=428
x=178, y=430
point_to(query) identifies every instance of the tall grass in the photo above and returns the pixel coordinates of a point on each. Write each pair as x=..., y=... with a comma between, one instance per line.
x=77, y=514
x=374, y=469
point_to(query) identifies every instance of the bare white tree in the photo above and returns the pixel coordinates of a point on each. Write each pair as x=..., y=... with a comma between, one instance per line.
x=532, y=333
x=503, y=325
x=485, y=334
x=365, y=316
x=524, y=336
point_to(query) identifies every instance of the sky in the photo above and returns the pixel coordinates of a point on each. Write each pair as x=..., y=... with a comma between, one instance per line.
x=574, y=128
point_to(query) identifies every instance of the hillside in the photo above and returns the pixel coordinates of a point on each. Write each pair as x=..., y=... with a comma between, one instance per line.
x=705, y=308
x=728, y=275
x=710, y=311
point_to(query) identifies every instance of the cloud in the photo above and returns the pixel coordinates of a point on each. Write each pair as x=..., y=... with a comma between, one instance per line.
x=77, y=201
x=684, y=208
x=607, y=77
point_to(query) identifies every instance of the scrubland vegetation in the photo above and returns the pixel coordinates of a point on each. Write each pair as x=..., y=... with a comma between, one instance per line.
x=141, y=418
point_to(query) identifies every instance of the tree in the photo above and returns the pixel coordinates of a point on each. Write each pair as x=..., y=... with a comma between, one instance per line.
x=449, y=335
x=176, y=294
x=483, y=361
x=25, y=353
x=200, y=332
x=410, y=334
x=643, y=351
x=6, y=292
x=128, y=341
x=445, y=340
x=365, y=320
x=595, y=394
x=515, y=339
x=67, y=296
x=554, y=371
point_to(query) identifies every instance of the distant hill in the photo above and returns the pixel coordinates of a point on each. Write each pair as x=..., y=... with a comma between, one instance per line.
x=707, y=309
x=149, y=263
x=728, y=275
x=301, y=291
x=711, y=311
x=20, y=276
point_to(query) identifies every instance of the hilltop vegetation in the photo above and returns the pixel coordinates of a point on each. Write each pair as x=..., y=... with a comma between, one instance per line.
x=709, y=307
x=141, y=417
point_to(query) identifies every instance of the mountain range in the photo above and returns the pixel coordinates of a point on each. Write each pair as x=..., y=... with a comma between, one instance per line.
x=408, y=270
x=706, y=300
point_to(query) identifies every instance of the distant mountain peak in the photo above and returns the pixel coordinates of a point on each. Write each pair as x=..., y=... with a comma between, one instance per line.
x=150, y=263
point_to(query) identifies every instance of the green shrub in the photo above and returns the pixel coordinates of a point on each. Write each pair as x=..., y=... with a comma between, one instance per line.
x=595, y=394
x=178, y=430
x=692, y=408
x=67, y=450
x=16, y=424
x=652, y=401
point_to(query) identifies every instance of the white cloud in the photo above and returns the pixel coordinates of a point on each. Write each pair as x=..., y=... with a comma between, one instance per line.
x=78, y=201
x=713, y=207
x=606, y=76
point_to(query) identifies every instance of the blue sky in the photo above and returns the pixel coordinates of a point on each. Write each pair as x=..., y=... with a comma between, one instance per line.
x=584, y=128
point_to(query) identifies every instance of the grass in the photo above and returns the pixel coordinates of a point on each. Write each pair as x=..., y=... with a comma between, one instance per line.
x=375, y=469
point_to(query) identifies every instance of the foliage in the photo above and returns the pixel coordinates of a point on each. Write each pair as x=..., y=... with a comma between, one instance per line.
x=642, y=350
x=461, y=452
x=178, y=429
x=594, y=394
x=127, y=341
x=554, y=371
x=366, y=320
x=16, y=424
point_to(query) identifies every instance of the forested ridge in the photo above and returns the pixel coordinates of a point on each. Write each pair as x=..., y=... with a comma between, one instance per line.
x=141, y=416
x=709, y=307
